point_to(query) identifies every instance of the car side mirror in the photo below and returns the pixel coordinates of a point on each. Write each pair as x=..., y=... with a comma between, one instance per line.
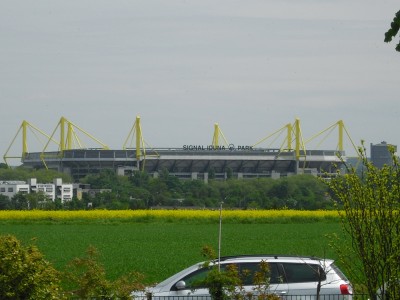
x=180, y=285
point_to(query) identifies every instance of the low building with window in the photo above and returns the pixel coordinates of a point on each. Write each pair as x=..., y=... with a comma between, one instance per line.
x=55, y=190
x=10, y=188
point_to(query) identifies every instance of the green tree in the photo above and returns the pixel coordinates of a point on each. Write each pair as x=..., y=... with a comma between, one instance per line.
x=74, y=204
x=5, y=202
x=87, y=279
x=140, y=178
x=45, y=175
x=14, y=174
x=211, y=173
x=106, y=179
x=24, y=274
x=370, y=205
x=39, y=200
x=227, y=281
x=281, y=189
x=394, y=29
x=23, y=174
x=229, y=173
x=19, y=202
x=219, y=283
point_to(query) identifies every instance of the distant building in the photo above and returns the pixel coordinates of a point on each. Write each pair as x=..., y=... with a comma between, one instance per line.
x=10, y=188
x=55, y=190
x=82, y=188
x=380, y=154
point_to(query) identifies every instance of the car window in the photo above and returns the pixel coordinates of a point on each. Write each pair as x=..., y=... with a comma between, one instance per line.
x=302, y=272
x=195, y=279
x=247, y=271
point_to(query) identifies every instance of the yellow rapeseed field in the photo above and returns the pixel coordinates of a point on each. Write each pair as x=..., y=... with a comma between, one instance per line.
x=171, y=215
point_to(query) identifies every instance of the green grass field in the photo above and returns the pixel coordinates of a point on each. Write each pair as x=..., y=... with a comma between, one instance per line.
x=159, y=249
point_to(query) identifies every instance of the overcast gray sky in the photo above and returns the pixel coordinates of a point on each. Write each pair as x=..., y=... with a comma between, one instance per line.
x=252, y=66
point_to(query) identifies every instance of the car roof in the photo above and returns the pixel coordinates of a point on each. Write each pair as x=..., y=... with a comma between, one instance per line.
x=273, y=257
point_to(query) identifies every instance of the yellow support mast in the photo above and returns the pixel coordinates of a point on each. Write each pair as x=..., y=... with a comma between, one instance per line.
x=291, y=130
x=24, y=138
x=23, y=129
x=68, y=139
x=340, y=142
x=139, y=140
x=278, y=133
x=215, y=141
x=341, y=134
x=136, y=131
x=298, y=135
x=289, y=136
x=71, y=137
x=140, y=145
x=62, y=134
x=300, y=146
x=217, y=134
x=66, y=143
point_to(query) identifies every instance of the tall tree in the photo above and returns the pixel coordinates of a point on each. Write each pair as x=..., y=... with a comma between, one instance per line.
x=370, y=204
x=394, y=29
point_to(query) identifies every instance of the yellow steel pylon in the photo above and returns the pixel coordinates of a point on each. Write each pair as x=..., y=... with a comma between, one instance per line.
x=216, y=136
x=291, y=129
x=24, y=127
x=341, y=133
x=140, y=145
x=68, y=139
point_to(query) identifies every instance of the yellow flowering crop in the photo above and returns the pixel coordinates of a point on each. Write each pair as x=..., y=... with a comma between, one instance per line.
x=256, y=216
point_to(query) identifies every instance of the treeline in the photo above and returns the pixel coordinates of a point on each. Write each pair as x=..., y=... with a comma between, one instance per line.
x=141, y=191
x=23, y=174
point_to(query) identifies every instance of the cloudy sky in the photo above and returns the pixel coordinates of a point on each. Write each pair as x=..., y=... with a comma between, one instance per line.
x=251, y=66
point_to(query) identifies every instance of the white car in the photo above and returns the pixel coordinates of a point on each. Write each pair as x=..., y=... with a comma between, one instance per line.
x=291, y=278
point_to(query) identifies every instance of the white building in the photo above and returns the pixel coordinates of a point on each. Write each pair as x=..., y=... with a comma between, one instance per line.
x=10, y=188
x=55, y=190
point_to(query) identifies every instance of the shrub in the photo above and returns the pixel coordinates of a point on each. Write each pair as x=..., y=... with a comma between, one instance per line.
x=88, y=280
x=24, y=273
x=229, y=283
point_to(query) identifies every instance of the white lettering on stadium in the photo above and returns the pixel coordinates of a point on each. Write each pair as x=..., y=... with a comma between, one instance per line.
x=230, y=147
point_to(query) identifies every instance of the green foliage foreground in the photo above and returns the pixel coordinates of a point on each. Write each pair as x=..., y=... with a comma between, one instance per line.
x=371, y=205
x=25, y=274
x=229, y=283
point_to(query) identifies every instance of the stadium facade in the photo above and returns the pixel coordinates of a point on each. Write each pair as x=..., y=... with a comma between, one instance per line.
x=195, y=163
x=218, y=160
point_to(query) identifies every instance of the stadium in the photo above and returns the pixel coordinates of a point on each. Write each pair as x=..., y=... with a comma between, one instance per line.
x=219, y=160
